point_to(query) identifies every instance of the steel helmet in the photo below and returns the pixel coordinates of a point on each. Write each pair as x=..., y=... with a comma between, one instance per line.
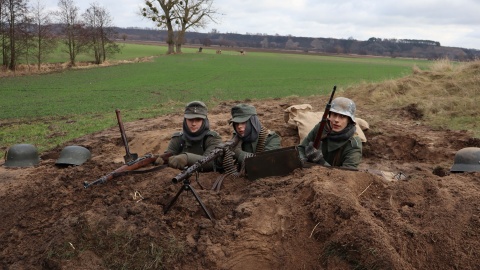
x=467, y=160
x=73, y=155
x=344, y=106
x=22, y=155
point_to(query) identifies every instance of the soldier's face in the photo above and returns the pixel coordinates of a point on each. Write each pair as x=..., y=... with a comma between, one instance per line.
x=240, y=128
x=194, y=124
x=338, y=121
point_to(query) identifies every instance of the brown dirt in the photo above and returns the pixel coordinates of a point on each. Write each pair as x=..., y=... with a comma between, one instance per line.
x=314, y=218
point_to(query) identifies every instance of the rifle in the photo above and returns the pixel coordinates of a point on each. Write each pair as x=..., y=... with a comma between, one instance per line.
x=323, y=122
x=130, y=167
x=132, y=161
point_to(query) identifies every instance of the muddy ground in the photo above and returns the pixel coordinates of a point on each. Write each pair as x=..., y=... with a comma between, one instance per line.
x=313, y=218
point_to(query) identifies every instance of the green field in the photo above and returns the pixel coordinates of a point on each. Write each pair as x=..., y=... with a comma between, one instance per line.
x=81, y=101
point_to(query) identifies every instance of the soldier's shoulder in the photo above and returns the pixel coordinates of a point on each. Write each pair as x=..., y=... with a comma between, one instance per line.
x=356, y=142
x=177, y=134
x=212, y=133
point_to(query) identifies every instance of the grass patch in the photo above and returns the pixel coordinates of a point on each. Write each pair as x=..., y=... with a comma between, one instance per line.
x=66, y=102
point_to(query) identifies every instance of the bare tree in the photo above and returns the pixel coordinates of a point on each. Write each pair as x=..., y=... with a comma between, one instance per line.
x=100, y=32
x=73, y=31
x=3, y=33
x=163, y=17
x=290, y=44
x=16, y=20
x=264, y=43
x=192, y=14
x=45, y=41
x=177, y=16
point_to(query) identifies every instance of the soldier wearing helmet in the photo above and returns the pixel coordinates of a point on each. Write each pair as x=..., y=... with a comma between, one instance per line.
x=339, y=145
x=195, y=141
x=254, y=137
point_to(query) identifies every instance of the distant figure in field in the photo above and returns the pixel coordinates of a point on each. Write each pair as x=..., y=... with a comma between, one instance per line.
x=200, y=49
x=219, y=51
x=242, y=52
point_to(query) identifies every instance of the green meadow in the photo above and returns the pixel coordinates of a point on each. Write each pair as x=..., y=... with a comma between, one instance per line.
x=49, y=109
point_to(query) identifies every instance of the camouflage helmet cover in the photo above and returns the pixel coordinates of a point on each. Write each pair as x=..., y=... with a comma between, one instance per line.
x=467, y=160
x=22, y=155
x=344, y=106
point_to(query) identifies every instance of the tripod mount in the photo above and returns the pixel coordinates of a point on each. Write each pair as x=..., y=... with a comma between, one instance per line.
x=186, y=186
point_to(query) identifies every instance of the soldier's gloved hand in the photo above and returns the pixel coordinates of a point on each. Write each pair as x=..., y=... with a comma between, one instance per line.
x=159, y=161
x=178, y=161
x=313, y=154
x=162, y=159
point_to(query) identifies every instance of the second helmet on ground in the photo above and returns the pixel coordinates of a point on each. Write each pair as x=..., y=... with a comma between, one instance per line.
x=73, y=155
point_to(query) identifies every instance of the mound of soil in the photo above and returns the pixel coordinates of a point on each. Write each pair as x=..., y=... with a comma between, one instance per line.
x=313, y=218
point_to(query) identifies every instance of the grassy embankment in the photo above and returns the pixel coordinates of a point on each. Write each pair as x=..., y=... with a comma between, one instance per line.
x=49, y=109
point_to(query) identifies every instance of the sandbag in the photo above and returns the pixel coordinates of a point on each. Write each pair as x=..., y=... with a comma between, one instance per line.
x=304, y=119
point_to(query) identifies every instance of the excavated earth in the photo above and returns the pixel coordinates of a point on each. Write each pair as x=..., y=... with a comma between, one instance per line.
x=312, y=218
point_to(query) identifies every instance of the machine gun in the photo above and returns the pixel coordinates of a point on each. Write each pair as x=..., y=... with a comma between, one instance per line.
x=323, y=122
x=224, y=150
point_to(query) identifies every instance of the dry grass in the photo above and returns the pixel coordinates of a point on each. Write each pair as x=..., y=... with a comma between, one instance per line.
x=445, y=95
x=32, y=69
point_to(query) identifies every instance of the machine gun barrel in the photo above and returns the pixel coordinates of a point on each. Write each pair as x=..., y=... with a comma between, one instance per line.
x=217, y=152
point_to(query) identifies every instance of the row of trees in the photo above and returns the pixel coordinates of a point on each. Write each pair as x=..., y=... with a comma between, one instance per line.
x=30, y=33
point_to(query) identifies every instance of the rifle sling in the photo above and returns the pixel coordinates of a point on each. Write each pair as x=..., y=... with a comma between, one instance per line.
x=157, y=168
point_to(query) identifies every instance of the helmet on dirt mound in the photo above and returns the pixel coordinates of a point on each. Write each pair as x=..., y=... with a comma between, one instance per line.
x=344, y=106
x=73, y=155
x=467, y=160
x=22, y=155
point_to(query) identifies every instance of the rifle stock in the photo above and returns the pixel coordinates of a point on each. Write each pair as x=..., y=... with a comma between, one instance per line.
x=323, y=122
x=129, y=166
x=211, y=156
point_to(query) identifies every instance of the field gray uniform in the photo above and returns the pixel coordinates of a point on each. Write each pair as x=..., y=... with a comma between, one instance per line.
x=194, y=145
x=248, y=145
x=345, y=153
x=242, y=149
x=195, y=150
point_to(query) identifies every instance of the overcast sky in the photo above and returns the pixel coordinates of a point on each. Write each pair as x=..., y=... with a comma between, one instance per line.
x=453, y=23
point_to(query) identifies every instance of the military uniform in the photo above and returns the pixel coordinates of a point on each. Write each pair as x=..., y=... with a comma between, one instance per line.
x=242, y=113
x=195, y=150
x=272, y=142
x=346, y=153
x=186, y=148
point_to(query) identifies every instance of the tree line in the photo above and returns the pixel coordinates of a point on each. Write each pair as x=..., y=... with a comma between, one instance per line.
x=30, y=33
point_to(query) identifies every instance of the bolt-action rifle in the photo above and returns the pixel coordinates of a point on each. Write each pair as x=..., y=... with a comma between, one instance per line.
x=132, y=161
x=323, y=122
x=131, y=168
